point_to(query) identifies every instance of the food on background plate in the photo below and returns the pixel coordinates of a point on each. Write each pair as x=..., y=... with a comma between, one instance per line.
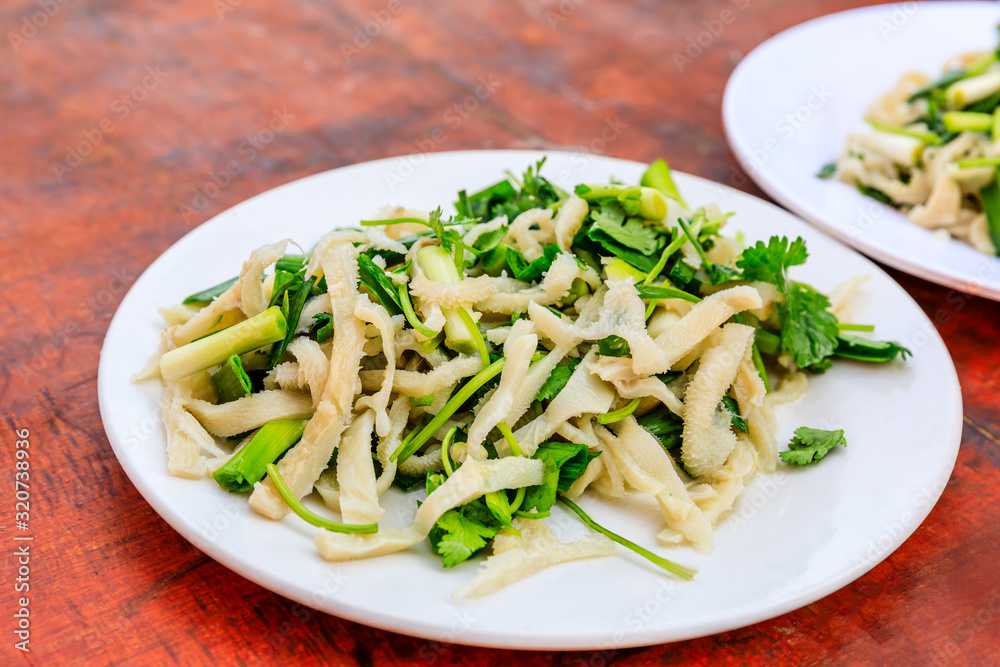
x=934, y=150
x=534, y=347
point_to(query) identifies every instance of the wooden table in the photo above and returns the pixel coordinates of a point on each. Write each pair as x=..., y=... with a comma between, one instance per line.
x=117, y=116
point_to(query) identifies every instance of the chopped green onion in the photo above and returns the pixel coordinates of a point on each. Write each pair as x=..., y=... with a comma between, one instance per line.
x=967, y=121
x=231, y=381
x=684, y=573
x=258, y=331
x=925, y=136
x=439, y=265
x=247, y=466
x=988, y=161
x=658, y=176
x=309, y=517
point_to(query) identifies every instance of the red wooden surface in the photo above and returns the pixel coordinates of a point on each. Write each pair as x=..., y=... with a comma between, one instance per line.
x=156, y=98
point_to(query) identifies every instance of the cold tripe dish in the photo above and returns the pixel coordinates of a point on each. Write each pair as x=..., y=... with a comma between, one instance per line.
x=536, y=346
x=933, y=151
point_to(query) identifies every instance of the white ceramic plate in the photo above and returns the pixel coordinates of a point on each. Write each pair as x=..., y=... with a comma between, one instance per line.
x=795, y=536
x=790, y=104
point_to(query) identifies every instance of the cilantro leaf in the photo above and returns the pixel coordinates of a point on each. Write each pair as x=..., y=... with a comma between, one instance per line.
x=827, y=170
x=738, y=422
x=557, y=379
x=767, y=263
x=462, y=531
x=810, y=445
x=564, y=464
x=808, y=329
x=630, y=232
x=613, y=346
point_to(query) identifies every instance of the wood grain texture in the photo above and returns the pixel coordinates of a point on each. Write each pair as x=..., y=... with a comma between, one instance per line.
x=154, y=99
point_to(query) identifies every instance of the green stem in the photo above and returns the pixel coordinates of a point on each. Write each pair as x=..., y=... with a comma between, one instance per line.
x=680, y=571
x=411, y=316
x=508, y=435
x=518, y=499
x=477, y=336
x=620, y=413
x=405, y=450
x=988, y=161
x=309, y=517
x=925, y=136
x=855, y=327
x=445, y=456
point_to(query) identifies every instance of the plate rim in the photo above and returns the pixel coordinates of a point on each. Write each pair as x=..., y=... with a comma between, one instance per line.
x=930, y=272
x=477, y=637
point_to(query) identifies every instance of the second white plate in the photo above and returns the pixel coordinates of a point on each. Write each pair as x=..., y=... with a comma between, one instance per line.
x=794, y=536
x=790, y=104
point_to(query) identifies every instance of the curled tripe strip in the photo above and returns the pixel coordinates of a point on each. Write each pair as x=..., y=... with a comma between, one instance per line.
x=703, y=319
x=356, y=474
x=304, y=462
x=517, y=557
x=250, y=412
x=472, y=480
x=648, y=468
x=708, y=438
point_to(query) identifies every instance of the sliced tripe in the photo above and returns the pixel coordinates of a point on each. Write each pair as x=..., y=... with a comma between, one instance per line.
x=761, y=427
x=313, y=366
x=624, y=314
x=704, y=319
x=651, y=386
x=376, y=314
x=649, y=469
x=304, y=462
x=583, y=393
x=729, y=481
x=253, y=301
x=222, y=312
x=568, y=220
x=537, y=548
x=708, y=437
x=372, y=236
x=178, y=313
x=448, y=294
x=748, y=387
x=399, y=415
x=513, y=296
x=518, y=349
x=356, y=473
x=413, y=383
x=186, y=437
x=250, y=412
x=472, y=480
x=520, y=231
